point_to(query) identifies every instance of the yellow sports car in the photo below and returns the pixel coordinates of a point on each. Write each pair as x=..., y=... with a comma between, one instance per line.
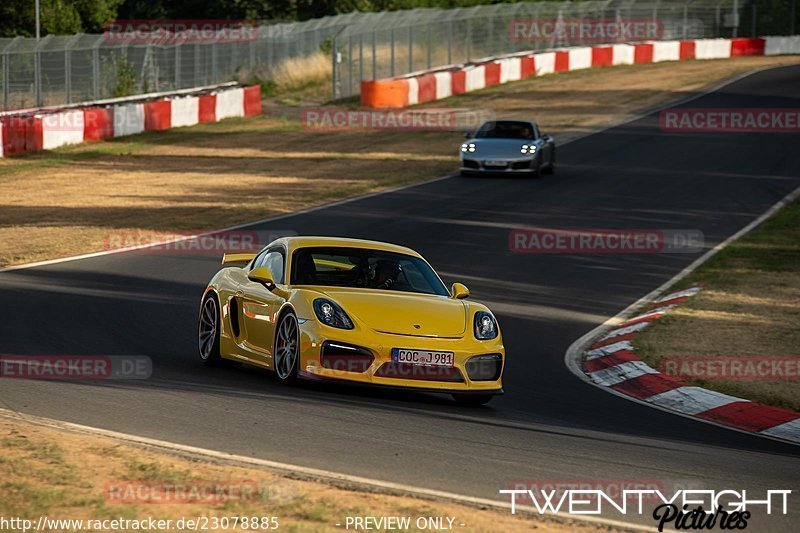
x=353, y=310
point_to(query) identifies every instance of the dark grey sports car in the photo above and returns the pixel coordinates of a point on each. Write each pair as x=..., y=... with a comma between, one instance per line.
x=508, y=147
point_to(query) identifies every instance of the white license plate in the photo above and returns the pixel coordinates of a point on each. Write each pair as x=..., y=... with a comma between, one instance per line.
x=422, y=357
x=496, y=163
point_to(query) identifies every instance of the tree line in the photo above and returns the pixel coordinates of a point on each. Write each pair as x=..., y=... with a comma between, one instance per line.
x=65, y=17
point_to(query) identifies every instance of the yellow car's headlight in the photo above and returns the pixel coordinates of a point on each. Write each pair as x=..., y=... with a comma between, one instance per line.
x=330, y=314
x=485, y=326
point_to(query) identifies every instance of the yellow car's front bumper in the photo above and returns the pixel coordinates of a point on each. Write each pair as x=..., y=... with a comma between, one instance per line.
x=383, y=371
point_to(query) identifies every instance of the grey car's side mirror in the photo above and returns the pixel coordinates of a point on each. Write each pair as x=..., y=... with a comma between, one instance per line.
x=467, y=135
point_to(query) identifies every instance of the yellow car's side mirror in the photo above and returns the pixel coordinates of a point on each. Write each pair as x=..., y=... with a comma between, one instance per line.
x=261, y=275
x=459, y=291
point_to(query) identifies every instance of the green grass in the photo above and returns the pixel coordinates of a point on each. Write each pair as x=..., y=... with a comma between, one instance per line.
x=748, y=308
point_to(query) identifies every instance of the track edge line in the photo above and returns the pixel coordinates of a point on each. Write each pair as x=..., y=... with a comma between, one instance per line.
x=574, y=354
x=314, y=474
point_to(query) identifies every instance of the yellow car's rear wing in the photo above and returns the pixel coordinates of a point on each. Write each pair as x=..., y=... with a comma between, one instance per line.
x=237, y=258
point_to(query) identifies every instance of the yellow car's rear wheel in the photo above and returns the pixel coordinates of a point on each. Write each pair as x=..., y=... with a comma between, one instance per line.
x=287, y=348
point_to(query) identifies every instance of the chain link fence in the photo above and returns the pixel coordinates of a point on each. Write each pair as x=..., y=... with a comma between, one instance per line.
x=59, y=70
x=361, y=46
x=383, y=45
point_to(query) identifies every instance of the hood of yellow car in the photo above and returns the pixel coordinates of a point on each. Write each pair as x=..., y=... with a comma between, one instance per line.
x=402, y=313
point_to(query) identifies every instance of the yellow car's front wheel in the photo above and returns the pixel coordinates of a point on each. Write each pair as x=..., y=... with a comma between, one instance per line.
x=208, y=331
x=287, y=348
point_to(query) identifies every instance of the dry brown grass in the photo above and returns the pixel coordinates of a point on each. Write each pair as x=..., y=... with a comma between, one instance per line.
x=307, y=79
x=214, y=175
x=750, y=309
x=44, y=471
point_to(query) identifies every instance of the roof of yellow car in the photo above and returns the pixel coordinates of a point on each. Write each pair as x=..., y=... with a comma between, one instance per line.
x=308, y=241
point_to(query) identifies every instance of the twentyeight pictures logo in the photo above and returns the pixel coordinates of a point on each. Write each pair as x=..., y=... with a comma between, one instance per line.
x=682, y=509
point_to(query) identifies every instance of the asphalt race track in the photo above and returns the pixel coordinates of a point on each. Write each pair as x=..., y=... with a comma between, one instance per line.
x=550, y=425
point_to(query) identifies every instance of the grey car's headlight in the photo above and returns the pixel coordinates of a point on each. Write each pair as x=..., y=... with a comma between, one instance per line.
x=331, y=314
x=468, y=147
x=485, y=326
x=528, y=149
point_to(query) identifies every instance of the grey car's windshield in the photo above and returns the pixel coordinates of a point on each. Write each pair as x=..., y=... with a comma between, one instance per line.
x=364, y=268
x=505, y=129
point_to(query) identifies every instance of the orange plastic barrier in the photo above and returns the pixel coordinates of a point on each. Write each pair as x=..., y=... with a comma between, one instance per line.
x=384, y=93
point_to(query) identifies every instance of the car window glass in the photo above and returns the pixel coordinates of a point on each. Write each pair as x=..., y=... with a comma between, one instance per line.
x=506, y=130
x=274, y=262
x=259, y=260
x=364, y=268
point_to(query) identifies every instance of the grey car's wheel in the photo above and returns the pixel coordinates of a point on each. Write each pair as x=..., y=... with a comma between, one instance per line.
x=208, y=331
x=551, y=166
x=538, y=172
x=287, y=348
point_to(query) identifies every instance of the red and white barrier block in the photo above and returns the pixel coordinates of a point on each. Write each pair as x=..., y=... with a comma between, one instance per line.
x=441, y=83
x=46, y=130
x=611, y=361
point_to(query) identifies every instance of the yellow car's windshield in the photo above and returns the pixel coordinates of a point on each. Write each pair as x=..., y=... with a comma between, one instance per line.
x=364, y=268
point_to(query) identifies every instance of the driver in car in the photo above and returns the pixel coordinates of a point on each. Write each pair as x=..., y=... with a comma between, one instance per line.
x=385, y=273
